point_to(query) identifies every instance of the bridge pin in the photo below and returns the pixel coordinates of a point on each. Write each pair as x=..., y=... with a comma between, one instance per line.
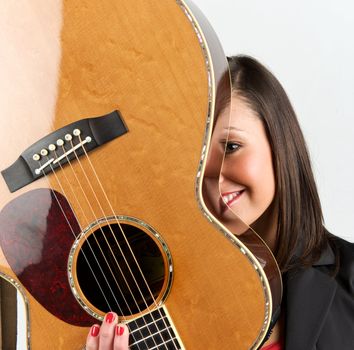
x=36, y=157
x=60, y=142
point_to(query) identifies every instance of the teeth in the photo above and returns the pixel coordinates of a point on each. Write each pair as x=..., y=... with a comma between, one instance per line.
x=229, y=197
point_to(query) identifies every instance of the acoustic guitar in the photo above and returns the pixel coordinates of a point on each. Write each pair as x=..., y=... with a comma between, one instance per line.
x=106, y=116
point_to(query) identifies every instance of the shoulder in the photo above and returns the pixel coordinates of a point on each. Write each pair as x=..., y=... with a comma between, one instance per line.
x=344, y=252
x=346, y=248
x=342, y=247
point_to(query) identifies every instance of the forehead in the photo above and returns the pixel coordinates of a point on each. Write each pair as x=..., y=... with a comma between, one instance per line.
x=239, y=117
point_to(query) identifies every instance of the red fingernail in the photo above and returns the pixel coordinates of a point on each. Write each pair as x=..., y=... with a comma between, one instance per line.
x=119, y=330
x=110, y=317
x=95, y=330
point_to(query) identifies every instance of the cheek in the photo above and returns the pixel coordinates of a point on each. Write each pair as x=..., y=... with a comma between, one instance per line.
x=243, y=169
x=254, y=172
x=263, y=181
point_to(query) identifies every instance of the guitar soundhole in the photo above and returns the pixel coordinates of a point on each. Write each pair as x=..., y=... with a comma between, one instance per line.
x=121, y=269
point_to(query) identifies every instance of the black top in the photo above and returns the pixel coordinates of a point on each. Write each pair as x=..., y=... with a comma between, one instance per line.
x=319, y=306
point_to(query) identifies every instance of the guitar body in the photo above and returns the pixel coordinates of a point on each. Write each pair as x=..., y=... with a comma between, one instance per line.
x=65, y=61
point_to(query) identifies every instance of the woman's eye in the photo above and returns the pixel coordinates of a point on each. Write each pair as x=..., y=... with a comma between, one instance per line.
x=231, y=147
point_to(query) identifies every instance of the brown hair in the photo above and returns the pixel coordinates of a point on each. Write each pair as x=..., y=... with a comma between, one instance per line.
x=300, y=230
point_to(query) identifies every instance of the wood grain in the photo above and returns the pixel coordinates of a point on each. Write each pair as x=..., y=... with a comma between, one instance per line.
x=144, y=59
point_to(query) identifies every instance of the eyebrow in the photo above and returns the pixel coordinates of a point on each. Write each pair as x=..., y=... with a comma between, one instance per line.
x=233, y=128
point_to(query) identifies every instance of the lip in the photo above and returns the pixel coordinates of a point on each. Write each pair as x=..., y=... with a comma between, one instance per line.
x=227, y=199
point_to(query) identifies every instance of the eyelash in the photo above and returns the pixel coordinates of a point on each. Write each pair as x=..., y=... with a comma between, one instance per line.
x=226, y=146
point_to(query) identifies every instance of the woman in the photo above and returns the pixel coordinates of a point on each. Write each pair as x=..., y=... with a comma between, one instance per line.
x=267, y=181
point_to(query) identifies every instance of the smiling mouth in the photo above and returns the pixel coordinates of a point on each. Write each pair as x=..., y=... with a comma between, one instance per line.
x=231, y=197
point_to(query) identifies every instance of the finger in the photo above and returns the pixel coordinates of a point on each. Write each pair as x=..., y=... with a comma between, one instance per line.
x=106, y=336
x=92, y=339
x=121, y=339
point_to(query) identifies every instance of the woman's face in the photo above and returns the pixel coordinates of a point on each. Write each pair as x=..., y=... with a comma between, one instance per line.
x=246, y=184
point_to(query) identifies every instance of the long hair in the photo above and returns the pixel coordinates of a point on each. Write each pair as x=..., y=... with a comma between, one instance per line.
x=300, y=230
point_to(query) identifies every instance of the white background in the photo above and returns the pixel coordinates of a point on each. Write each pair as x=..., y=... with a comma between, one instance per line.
x=309, y=47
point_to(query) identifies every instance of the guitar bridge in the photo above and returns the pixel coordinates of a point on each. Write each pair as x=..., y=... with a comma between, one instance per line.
x=81, y=136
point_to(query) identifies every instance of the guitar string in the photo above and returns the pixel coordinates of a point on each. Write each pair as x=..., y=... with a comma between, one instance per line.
x=122, y=231
x=103, y=234
x=81, y=230
x=127, y=304
x=93, y=234
x=91, y=229
x=165, y=341
x=116, y=241
x=71, y=229
x=156, y=347
x=113, y=235
x=64, y=214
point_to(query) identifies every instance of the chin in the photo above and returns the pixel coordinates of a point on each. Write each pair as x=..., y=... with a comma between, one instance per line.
x=233, y=223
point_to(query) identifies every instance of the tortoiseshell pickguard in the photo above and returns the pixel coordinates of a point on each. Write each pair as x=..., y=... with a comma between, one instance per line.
x=36, y=239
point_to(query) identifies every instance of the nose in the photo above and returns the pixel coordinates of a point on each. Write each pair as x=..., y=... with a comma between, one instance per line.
x=222, y=178
x=213, y=164
x=226, y=174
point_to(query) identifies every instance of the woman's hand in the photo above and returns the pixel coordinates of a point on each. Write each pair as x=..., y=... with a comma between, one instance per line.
x=111, y=335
